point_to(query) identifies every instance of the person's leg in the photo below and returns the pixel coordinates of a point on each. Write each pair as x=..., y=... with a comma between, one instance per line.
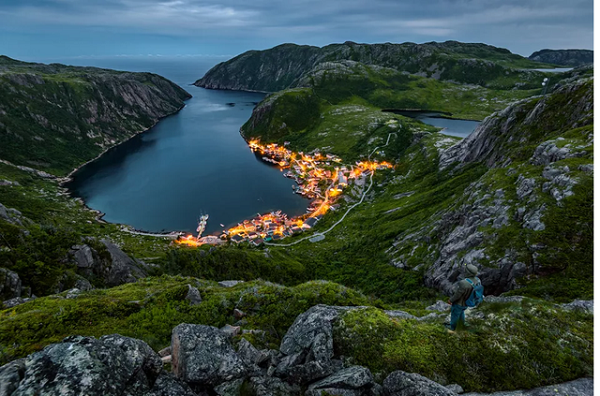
x=455, y=313
x=461, y=318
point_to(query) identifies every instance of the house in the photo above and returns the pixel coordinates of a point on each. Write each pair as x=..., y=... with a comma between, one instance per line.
x=237, y=238
x=296, y=230
x=258, y=242
x=309, y=223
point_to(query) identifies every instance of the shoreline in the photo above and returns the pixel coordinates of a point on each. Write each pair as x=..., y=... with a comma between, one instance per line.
x=62, y=180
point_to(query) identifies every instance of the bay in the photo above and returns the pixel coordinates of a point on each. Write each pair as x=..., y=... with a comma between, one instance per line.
x=191, y=163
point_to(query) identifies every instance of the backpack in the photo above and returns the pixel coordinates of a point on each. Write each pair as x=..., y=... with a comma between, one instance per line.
x=476, y=296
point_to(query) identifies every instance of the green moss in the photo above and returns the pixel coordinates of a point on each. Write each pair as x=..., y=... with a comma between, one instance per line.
x=514, y=347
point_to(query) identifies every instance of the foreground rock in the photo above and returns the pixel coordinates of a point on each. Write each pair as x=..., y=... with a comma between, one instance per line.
x=111, y=365
x=203, y=356
x=308, y=345
x=579, y=387
x=351, y=381
x=10, y=284
x=117, y=270
x=400, y=383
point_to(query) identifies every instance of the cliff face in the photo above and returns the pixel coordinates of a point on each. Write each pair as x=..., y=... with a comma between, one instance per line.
x=282, y=66
x=568, y=58
x=56, y=117
x=529, y=213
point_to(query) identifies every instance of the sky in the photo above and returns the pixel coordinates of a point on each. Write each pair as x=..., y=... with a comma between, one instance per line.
x=62, y=29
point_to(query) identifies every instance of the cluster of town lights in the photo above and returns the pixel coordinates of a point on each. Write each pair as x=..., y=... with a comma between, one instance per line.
x=318, y=177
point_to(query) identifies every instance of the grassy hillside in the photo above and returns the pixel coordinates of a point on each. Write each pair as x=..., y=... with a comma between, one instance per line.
x=56, y=117
x=471, y=63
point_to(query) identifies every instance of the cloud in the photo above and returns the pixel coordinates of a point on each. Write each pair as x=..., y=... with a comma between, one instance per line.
x=524, y=25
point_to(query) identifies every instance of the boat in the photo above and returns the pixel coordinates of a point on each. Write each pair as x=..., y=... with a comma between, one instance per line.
x=201, y=225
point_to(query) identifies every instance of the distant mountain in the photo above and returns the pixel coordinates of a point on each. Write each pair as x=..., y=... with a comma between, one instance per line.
x=568, y=58
x=56, y=117
x=282, y=66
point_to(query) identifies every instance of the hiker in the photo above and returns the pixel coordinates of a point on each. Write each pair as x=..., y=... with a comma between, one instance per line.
x=468, y=293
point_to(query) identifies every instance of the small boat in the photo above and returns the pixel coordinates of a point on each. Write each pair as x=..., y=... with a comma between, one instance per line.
x=222, y=225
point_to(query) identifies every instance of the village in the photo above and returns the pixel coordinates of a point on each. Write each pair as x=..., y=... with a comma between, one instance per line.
x=319, y=177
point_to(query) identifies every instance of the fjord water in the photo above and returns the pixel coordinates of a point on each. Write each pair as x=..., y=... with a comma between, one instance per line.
x=191, y=163
x=451, y=127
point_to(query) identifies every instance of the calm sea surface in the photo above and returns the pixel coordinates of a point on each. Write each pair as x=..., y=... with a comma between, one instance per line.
x=192, y=163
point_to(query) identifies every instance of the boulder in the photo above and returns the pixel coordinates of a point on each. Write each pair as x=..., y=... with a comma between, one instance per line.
x=10, y=284
x=123, y=269
x=578, y=387
x=439, y=306
x=272, y=386
x=230, y=388
x=250, y=355
x=455, y=388
x=13, y=302
x=167, y=385
x=580, y=305
x=307, y=347
x=11, y=375
x=400, y=383
x=193, y=295
x=165, y=351
x=203, y=355
x=111, y=365
x=238, y=314
x=83, y=256
x=230, y=330
x=83, y=284
x=355, y=380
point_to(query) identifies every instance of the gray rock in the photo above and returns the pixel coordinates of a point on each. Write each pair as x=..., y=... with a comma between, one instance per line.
x=308, y=345
x=13, y=302
x=579, y=387
x=203, y=355
x=580, y=305
x=271, y=386
x=231, y=388
x=165, y=351
x=439, y=306
x=11, y=375
x=250, y=355
x=83, y=256
x=10, y=284
x=356, y=378
x=504, y=299
x=167, y=385
x=193, y=295
x=230, y=283
x=83, y=284
x=230, y=330
x=123, y=269
x=399, y=314
x=111, y=365
x=73, y=293
x=455, y=388
x=400, y=383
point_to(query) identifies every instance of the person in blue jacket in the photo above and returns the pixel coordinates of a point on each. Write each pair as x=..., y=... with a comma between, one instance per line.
x=462, y=297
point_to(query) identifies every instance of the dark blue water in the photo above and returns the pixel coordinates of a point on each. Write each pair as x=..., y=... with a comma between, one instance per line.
x=452, y=127
x=191, y=163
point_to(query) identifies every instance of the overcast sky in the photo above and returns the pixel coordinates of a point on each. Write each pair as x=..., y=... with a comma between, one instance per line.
x=31, y=29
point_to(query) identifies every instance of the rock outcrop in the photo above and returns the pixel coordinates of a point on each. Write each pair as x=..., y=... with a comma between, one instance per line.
x=203, y=356
x=567, y=58
x=10, y=284
x=524, y=151
x=111, y=266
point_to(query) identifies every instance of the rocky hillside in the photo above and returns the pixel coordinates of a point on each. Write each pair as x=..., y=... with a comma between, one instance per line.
x=283, y=66
x=566, y=58
x=55, y=117
x=515, y=197
x=258, y=338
